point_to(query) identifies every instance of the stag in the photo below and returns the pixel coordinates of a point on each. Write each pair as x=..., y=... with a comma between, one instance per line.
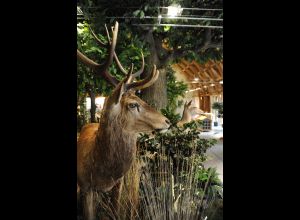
x=189, y=113
x=106, y=150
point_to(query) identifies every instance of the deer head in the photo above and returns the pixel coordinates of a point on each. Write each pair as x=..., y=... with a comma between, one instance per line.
x=189, y=113
x=123, y=104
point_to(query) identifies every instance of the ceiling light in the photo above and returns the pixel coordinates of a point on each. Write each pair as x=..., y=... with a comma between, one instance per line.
x=174, y=10
x=159, y=19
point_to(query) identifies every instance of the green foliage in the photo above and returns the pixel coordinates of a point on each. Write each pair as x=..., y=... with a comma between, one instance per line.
x=175, y=90
x=171, y=115
x=82, y=116
x=175, y=173
x=129, y=49
x=210, y=174
x=85, y=77
x=179, y=143
x=219, y=107
x=187, y=40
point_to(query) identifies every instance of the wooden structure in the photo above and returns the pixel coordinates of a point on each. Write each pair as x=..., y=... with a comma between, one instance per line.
x=204, y=80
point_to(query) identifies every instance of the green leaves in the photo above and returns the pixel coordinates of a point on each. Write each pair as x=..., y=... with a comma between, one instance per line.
x=139, y=13
x=219, y=107
x=129, y=48
x=175, y=89
x=181, y=143
x=167, y=28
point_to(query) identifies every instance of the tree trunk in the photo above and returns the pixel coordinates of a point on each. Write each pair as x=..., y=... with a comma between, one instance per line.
x=93, y=107
x=155, y=95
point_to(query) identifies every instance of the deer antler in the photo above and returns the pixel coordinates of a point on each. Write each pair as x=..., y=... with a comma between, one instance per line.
x=102, y=69
x=148, y=81
x=136, y=74
x=100, y=43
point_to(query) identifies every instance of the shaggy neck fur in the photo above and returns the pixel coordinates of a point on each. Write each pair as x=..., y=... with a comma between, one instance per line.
x=186, y=116
x=115, y=145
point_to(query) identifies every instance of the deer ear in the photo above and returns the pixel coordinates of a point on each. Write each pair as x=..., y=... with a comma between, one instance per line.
x=123, y=88
x=119, y=92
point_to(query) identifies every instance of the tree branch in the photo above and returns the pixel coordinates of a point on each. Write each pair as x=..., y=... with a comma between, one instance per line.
x=208, y=42
x=176, y=53
x=168, y=55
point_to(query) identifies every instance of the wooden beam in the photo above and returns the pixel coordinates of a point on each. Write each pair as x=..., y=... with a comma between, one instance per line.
x=217, y=76
x=189, y=74
x=212, y=75
x=193, y=67
x=181, y=66
x=201, y=71
x=185, y=62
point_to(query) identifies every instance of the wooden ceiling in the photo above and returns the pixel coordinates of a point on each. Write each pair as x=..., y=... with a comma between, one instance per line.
x=209, y=76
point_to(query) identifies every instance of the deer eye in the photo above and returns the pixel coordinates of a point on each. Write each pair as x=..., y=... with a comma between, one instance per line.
x=133, y=105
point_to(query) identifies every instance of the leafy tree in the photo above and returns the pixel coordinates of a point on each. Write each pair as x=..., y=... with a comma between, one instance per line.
x=129, y=51
x=219, y=107
x=165, y=44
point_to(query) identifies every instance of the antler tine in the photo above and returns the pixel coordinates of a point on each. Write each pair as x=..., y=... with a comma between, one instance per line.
x=129, y=76
x=87, y=61
x=136, y=74
x=107, y=33
x=145, y=82
x=97, y=39
x=140, y=71
x=95, y=66
x=115, y=55
x=119, y=64
x=102, y=69
x=112, y=47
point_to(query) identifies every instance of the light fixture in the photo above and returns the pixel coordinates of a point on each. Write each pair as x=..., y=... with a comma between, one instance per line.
x=99, y=101
x=196, y=79
x=221, y=82
x=212, y=84
x=159, y=19
x=174, y=10
x=192, y=90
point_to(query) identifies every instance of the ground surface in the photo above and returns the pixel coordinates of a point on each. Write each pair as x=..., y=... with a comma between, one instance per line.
x=215, y=153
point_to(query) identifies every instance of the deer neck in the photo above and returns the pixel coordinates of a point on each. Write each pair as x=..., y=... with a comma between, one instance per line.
x=115, y=148
x=186, y=116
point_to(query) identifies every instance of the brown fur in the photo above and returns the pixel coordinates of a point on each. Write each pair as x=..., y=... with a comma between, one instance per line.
x=188, y=113
x=105, y=151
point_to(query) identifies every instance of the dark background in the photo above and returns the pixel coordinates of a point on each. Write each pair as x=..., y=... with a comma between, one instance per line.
x=38, y=118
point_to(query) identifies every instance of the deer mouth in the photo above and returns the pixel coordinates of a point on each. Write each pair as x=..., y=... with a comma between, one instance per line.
x=161, y=130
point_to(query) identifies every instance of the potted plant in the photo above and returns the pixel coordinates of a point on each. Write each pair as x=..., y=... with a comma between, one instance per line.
x=219, y=107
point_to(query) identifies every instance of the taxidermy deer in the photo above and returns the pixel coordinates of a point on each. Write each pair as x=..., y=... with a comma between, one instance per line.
x=106, y=150
x=189, y=113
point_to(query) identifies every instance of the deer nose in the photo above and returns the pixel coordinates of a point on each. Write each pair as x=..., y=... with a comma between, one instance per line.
x=168, y=122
